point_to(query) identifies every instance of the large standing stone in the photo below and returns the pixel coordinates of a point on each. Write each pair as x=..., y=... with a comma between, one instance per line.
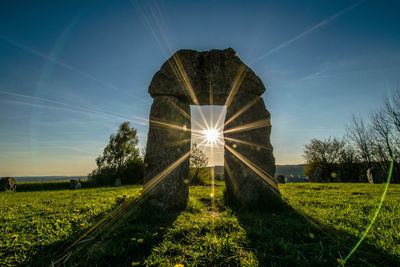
x=248, y=154
x=168, y=142
x=216, y=77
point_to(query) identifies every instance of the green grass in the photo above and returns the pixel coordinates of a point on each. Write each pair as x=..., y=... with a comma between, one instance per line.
x=319, y=224
x=31, y=221
x=348, y=208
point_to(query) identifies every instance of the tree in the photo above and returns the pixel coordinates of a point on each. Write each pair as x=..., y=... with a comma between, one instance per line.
x=197, y=160
x=323, y=158
x=360, y=134
x=120, y=159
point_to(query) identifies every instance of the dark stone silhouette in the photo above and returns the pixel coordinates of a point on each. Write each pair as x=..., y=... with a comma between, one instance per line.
x=117, y=182
x=8, y=183
x=74, y=184
x=216, y=77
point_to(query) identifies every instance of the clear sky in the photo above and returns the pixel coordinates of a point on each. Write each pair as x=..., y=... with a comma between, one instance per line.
x=72, y=71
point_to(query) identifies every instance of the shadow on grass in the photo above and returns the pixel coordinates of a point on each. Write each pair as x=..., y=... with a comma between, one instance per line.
x=210, y=233
x=126, y=239
x=285, y=237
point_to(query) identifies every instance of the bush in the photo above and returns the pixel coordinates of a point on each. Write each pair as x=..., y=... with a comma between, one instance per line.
x=131, y=173
x=120, y=159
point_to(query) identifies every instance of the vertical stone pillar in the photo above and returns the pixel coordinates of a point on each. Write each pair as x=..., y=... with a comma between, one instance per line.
x=167, y=153
x=249, y=159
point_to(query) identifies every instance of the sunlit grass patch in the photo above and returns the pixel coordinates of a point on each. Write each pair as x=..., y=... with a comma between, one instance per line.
x=33, y=220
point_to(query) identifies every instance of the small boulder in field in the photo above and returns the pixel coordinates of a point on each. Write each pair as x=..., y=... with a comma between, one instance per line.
x=8, y=183
x=117, y=182
x=281, y=179
x=74, y=184
x=373, y=176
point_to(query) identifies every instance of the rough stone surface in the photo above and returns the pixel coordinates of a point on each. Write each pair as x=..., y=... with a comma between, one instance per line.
x=215, y=69
x=74, y=184
x=8, y=183
x=166, y=145
x=207, y=78
x=243, y=184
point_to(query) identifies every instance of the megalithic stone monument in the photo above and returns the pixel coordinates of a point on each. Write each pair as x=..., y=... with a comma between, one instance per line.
x=215, y=77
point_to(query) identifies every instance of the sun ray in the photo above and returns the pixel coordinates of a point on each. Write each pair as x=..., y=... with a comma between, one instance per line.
x=198, y=124
x=183, y=78
x=221, y=115
x=202, y=143
x=256, y=169
x=58, y=62
x=116, y=216
x=211, y=94
x=107, y=223
x=184, y=113
x=247, y=143
x=172, y=126
x=230, y=174
x=168, y=125
x=246, y=107
x=203, y=118
x=249, y=126
x=159, y=177
x=175, y=63
x=178, y=108
x=236, y=84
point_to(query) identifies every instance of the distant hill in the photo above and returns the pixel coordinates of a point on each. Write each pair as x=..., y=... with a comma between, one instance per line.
x=286, y=170
x=295, y=170
x=47, y=178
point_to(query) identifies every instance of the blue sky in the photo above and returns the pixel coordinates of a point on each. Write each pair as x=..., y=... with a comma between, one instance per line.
x=72, y=71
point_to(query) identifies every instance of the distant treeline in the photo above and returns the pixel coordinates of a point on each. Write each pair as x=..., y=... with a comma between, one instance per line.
x=53, y=185
x=288, y=170
x=48, y=178
x=368, y=145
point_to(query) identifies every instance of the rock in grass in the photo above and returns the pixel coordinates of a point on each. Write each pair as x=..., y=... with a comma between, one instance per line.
x=8, y=183
x=117, y=182
x=373, y=176
x=74, y=184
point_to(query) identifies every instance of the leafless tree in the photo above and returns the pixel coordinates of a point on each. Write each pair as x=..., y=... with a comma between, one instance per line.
x=327, y=150
x=382, y=133
x=360, y=135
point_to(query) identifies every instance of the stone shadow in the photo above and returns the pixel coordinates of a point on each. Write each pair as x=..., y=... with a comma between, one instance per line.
x=127, y=238
x=286, y=238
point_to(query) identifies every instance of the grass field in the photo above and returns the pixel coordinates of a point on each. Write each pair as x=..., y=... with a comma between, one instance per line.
x=318, y=226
